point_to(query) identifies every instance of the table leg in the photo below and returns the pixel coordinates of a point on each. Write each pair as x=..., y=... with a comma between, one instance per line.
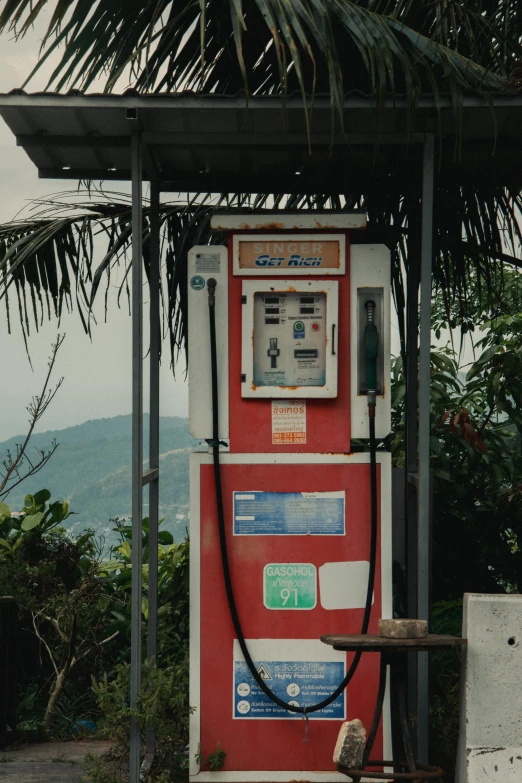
x=377, y=712
x=401, y=739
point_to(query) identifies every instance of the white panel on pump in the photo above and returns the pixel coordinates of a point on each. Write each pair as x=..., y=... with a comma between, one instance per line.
x=289, y=338
x=370, y=279
x=204, y=262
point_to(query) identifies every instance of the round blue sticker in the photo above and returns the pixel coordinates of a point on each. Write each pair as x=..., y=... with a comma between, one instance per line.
x=197, y=282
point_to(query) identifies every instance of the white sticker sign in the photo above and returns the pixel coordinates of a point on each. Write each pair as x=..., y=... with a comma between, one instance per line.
x=301, y=672
x=288, y=421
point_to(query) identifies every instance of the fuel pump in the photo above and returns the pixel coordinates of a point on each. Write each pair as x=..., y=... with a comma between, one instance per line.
x=371, y=344
x=282, y=515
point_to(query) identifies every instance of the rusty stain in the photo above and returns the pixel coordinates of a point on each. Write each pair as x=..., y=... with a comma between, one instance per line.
x=209, y=537
x=260, y=227
x=245, y=550
x=275, y=226
x=269, y=226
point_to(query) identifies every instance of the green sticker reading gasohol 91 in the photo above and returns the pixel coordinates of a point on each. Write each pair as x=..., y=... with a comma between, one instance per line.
x=290, y=586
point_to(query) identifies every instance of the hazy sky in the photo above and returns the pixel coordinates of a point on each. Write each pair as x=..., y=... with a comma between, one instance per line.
x=98, y=372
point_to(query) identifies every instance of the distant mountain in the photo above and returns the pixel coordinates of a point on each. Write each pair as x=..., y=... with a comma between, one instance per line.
x=91, y=468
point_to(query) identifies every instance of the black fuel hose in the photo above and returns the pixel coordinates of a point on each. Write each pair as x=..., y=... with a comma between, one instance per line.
x=211, y=284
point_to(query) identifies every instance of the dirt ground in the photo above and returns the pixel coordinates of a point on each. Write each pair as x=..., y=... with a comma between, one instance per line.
x=48, y=762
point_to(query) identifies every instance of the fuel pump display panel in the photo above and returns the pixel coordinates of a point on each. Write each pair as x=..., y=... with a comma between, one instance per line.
x=289, y=338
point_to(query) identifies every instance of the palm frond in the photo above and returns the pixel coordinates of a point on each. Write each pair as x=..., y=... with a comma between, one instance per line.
x=53, y=263
x=267, y=46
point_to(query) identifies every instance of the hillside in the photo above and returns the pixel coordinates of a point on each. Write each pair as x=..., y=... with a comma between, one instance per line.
x=92, y=469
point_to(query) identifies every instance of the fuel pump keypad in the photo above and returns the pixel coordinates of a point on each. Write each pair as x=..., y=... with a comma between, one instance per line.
x=289, y=344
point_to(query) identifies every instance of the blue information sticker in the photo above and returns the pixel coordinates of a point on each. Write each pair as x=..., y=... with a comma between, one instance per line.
x=197, y=282
x=301, y=683
x=289, y=513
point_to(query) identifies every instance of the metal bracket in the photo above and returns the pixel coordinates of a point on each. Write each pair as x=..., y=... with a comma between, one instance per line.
x=152, y=474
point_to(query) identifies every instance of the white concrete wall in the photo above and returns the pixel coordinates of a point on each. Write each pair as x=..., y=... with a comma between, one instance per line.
x=490, y=742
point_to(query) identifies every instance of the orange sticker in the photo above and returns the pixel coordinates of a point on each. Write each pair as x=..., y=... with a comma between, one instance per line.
x=289, y=437
x=288, y=421
x=289, y=253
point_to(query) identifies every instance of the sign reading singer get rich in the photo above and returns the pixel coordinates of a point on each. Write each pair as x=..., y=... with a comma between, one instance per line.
x=298, y=254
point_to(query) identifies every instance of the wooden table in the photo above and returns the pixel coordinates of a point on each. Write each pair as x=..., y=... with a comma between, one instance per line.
x=394, y=654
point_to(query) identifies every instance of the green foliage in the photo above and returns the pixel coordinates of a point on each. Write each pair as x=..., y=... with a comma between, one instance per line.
x=269, y=47
x=476, y=429
x=163, y=702
x=162, y=706
x=216, y=759
x=491, y=295
x=99, y=771
x=37, y=515
x=77, y=605
x=475, y=459
x=445, y=671
x=173, y=586
x=63, y=605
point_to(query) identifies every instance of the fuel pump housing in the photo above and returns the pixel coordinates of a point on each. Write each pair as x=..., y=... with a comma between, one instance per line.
x=290, y=375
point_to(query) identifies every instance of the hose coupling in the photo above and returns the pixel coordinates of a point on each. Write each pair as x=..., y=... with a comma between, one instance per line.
x=211, y=285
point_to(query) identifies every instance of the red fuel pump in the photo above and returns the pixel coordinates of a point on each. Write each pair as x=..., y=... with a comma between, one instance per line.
x=290, y=528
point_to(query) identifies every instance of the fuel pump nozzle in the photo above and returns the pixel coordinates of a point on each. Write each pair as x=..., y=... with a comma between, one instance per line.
x=371, y=347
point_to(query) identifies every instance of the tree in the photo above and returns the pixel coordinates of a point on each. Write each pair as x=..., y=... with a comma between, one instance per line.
x=476, y=461
x=476, y=436
x=379, y=47
x=57, y=585
x=74, y=599
x=18, y=466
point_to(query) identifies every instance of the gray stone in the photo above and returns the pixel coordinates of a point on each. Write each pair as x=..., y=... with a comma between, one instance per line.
x=490, y=739
x=350, y=744
x=403, y=629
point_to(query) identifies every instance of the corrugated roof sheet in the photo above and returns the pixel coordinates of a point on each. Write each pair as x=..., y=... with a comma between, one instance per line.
x=218, y=143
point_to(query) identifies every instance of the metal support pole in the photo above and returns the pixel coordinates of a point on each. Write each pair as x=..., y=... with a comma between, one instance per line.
x=423, y=493
x=137, y=447
x=411, y=427
x=155, y=348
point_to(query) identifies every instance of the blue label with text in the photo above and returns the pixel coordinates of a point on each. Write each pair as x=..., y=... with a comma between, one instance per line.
x=300, y=683
x=289, y=513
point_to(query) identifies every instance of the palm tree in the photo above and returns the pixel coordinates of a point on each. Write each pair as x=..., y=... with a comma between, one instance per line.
x=333, y=47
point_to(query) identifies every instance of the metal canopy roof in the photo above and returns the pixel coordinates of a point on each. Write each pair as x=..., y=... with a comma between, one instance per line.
x=213, y=143
x=218, y=144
